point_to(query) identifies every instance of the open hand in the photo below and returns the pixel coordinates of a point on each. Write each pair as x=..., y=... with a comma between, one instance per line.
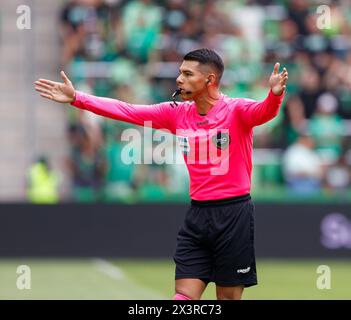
x=278, y=81
x=56, y=91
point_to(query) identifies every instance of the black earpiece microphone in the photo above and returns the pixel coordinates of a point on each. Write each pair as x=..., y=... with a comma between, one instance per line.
x=174, y=95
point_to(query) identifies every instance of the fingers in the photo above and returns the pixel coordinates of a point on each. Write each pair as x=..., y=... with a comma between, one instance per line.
x=43, y=85
x=276, y=68
x=65, y=78
x=43, y=91
x=284, y=72
x=46, y=96
x=45, y=81
x=284, y=75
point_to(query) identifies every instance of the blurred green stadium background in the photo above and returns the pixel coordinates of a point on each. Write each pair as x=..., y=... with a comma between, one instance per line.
x=131, y=50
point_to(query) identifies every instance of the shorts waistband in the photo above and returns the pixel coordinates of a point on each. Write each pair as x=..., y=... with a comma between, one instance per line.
x=220, y=201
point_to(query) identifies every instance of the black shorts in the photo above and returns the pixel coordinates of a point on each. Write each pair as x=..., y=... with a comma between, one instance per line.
x=216, y=243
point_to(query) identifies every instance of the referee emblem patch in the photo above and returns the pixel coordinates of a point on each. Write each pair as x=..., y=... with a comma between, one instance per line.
x=221, y=140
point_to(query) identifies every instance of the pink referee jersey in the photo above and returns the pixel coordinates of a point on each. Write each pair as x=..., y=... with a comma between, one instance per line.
x=217, y=147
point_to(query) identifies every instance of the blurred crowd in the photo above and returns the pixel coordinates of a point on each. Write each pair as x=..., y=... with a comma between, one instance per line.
x=131, y=50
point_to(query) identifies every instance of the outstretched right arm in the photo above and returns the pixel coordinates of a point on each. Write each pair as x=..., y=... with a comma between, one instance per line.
x=160, y=115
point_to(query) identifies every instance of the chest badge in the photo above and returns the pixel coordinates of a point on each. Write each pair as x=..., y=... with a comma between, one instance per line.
x=221, y=140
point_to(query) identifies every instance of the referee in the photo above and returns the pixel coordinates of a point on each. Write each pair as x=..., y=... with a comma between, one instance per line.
x=216, y=240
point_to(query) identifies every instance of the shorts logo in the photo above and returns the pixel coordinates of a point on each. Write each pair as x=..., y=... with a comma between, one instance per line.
x=243, y=270
x=221, y=140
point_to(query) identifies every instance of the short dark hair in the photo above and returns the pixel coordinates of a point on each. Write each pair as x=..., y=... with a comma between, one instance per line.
x=207, y=57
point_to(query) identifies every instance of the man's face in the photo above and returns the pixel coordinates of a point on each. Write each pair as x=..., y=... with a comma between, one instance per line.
x=192, y=79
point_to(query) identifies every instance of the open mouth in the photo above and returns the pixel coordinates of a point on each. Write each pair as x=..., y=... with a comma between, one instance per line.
x=183, y=91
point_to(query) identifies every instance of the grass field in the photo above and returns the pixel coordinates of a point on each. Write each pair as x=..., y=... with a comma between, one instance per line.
x=153, y=279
